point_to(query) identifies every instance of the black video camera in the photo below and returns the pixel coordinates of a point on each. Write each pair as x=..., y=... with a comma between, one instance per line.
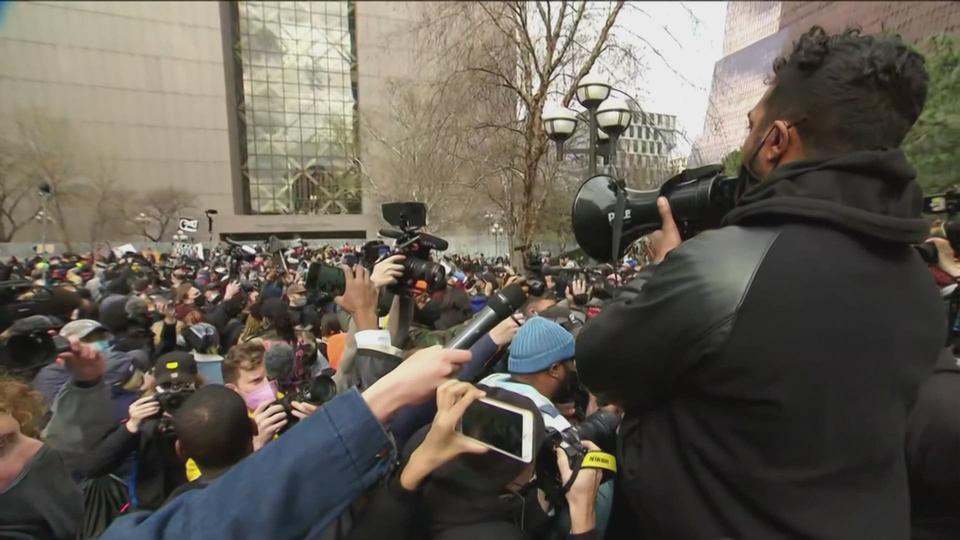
x=416, y=246
x=327, y=282
x=315, y=391
x=28, y=342
x=945, y=203
x=170, y=402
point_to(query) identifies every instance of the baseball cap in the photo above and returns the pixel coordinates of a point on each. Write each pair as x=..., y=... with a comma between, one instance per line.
x=81, y=328
x=175, y=367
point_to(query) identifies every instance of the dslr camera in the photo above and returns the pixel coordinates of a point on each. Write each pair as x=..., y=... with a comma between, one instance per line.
x=419, y=272
x=26, y=344
x=170, y=402
x=315, y=391
x=409, y=218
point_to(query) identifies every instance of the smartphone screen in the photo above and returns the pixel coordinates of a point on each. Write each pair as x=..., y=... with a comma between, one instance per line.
x=499, y=426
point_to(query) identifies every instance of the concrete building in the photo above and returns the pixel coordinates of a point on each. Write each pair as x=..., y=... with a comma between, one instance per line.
x=752, y=42
x=648, y=150
x=250, y=108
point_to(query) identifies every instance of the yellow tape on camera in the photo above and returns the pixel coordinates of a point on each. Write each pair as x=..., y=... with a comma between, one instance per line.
x=600, y=460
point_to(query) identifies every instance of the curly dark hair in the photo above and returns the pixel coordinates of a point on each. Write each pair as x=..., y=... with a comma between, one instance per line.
x=852, y=92
x=23, y=403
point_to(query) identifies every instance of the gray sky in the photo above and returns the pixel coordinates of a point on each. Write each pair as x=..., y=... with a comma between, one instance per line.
x=689, y=35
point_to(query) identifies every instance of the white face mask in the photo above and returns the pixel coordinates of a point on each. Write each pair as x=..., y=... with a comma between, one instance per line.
x=299, y=301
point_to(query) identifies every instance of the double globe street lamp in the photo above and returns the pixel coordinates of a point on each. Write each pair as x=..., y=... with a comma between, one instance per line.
x=611, y=114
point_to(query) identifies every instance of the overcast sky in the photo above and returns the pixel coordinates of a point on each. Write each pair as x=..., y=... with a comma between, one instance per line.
x=689, y=35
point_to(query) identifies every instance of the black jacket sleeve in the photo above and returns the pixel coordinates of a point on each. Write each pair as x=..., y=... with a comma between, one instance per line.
x=641, y=345
x=168, y=340
x=391, y=514
x=370, y=365
x=106, y=457
x=221, y=314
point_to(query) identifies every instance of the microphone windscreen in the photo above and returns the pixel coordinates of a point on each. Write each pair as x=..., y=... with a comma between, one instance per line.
x=279, y=361
x=508, y=300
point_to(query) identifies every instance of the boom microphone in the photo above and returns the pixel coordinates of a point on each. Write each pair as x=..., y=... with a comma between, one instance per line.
x=500, y=306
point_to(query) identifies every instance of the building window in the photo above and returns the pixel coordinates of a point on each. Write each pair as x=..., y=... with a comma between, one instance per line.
x=297, y=107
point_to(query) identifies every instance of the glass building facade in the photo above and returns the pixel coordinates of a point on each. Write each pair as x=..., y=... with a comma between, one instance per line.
x=297, y=107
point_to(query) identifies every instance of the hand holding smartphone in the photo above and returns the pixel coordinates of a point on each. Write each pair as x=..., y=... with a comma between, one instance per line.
x=501, y=427
x=443, y=442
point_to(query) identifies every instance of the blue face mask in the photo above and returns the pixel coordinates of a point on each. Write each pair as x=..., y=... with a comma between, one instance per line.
x=101, y=345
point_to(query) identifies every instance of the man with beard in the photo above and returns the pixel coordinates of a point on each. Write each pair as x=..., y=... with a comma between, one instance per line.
x=767, y=368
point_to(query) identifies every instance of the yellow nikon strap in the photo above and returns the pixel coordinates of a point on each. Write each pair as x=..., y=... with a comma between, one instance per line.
x=600, y=460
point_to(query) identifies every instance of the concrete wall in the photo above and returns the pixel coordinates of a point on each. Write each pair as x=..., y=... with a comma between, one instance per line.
x=914, y=21
x=141, y=84
x=749, y=22
x=738, y=78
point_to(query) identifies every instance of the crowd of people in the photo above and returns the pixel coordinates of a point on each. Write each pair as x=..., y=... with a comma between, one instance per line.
x=789, y=375
x=179, y=368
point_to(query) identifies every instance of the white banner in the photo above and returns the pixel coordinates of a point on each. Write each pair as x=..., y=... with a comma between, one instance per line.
x=120, y=251
x=189, y=225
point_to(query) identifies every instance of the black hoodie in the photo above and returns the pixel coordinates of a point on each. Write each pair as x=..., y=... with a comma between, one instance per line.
x=768, y=367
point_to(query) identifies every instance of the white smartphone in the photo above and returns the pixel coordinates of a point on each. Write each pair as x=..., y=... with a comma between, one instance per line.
x=501, y=427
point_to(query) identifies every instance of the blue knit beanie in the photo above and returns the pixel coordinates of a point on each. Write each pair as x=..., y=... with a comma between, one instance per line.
x=539, y=344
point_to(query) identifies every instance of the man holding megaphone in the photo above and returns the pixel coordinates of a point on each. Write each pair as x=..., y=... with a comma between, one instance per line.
x=767, y=366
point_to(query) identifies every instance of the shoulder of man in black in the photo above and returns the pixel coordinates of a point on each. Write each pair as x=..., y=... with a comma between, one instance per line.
x=663, y=322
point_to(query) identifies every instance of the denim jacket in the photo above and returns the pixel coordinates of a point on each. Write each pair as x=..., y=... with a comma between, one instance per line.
x=297, y=484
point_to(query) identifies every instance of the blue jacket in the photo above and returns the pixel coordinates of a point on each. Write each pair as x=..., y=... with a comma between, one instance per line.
x=297, y=484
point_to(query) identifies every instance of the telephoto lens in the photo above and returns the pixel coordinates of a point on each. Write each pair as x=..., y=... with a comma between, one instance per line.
x=433, y=274
x=600, y=428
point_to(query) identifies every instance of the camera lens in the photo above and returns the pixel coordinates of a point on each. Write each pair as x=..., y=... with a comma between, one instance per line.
x=418, y=269
x=600, y=428
x=320, y=389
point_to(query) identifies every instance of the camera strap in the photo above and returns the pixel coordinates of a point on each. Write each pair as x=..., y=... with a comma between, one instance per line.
x=592, y=460
x=600, y=460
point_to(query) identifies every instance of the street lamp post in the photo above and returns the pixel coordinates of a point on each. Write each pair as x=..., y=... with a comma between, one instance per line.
x=497, y=231
x=613, y=116
x=44, y=219
x=210, y=213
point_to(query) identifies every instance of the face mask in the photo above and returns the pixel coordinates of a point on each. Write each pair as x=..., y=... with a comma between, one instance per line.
x=199, y=301
x=101, y=345
x=746, y=178
x=299, y=301
x=213, y=298
x=265, y=393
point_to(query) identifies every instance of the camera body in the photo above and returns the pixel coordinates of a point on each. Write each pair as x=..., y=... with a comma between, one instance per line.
x=945, y=203
x=325, y=282
x=315, y=391
x=599, y=428
x=415, y=246
x=28, y=345
x=170, y=402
